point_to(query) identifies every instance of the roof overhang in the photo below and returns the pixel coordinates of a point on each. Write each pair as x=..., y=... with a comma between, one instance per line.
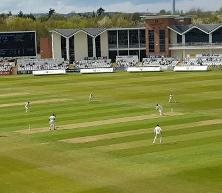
x=78, y=31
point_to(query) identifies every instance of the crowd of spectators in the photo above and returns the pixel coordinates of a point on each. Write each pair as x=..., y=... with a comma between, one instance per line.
x=6, y=66
x=159, y=61
x=204, y=60
x=91, y=63
x=123, y=62
x=27, y=66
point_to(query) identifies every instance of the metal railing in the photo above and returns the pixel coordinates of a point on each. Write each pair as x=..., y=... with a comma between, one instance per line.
x=196, y=44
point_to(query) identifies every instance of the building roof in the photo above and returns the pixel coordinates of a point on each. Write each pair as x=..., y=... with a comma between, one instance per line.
x=66, y=32
x=154, y=16
x=94, y=32
x=206, y=28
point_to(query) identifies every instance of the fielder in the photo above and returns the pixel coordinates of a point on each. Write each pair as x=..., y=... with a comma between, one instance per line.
x=157, y=133
x=91, y=97
x=171, y=98
x=160, y=109
x=27, y=106
x=52, y=124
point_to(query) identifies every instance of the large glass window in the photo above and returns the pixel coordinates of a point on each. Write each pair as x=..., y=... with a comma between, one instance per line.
x=162, y=38
x=133, y=39
x=90, y=46
x=151, y=40
x=71, y=50
x=112, y=55
x=142, y=38
x=123, y=53
x=179, y=39
x=142, y=54
x=217, y=36
x=63, y=48
x=134, y=53
x=98, y=47
x=196, y=35
x=123, y=38
x=112, y=39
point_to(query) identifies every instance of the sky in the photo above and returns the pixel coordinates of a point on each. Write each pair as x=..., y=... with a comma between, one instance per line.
x=67, y=6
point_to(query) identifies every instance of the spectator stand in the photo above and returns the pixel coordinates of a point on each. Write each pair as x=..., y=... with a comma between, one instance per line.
x=6, y=66
x=165, y=63
x=27, y=66
x=94, y=65
x=123, y=62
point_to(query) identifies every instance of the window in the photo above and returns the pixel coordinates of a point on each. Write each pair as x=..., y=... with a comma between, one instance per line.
x=179, y=39
x=196, y=35
x=151, y=40
x=112, y=55
x=112, y=39
x=90, y=46
x=162, y=40
x=142, y=54
x=123, y=38
x=133, y=39
x=123, y=53
x=217, y=36
x=71, y=50
x=142, y=38
x=63, y=48
x=98, y=47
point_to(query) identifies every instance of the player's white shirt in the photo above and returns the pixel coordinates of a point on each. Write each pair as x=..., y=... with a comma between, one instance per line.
x=52, y=119
x=159, y=107
x=157, y=130
x=27, y=105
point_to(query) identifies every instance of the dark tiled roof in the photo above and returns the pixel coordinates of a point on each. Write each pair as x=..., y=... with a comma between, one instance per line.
x=180, y=28
x=94, y=31
x=66, y=32
x=207, y=28
x=69, y=32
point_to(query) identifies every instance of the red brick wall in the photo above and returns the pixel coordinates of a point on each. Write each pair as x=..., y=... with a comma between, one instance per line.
x=45, y=48
x=162, y=24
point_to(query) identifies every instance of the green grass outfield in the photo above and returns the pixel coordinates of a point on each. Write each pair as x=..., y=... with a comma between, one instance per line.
x=106, y=146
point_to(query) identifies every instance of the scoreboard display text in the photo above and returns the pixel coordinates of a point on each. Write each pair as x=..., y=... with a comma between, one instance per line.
x=17, y=44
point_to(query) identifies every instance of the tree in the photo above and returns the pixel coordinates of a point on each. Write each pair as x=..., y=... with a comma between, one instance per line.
x=20, y=14
x=51, y=12
x=162, y=12
x=31, y=16
x=100, y=11
x=135, y=17
x=9, y=13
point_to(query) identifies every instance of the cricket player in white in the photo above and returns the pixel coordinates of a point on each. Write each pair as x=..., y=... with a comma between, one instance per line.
x=157, y=133
x=160, y=109
x=91, y=97
x=27, y=106
x=171, y=98
x=52, y=125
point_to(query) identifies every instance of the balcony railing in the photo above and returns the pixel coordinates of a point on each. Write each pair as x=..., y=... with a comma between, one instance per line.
x=196, y=44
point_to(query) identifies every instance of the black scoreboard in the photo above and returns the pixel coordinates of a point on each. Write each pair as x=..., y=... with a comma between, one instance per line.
x=17, y=44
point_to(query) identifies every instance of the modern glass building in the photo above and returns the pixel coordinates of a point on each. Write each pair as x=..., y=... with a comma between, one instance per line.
x=161, y=35
x=78, y=44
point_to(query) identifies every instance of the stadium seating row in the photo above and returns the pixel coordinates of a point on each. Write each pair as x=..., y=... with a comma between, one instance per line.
x=29, y=65
x=93, y=63
x=25, y=66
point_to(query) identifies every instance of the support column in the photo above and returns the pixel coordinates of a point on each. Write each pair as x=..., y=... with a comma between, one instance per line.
x=117, y=37
x=183, y=39
x=184, y=54
x=94, y=47
x=67, y=49
x=211, y=38
x=53, y=53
